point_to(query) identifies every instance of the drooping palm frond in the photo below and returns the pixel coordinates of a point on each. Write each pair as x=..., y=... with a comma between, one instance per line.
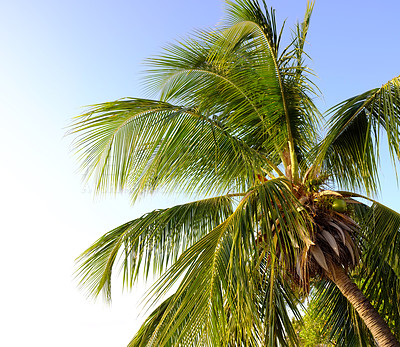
x=144, y=145
x=201, y=293
x=382, y=287
x=153, y=240
x=275, y=302
x=277, y=305
x=227, y=83
x=146, y=334
x=226, y=88
x=381, y=265
x=350, y=151
x=229, y=291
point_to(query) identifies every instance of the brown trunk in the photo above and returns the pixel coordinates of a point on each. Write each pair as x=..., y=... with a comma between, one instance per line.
x=374, y=322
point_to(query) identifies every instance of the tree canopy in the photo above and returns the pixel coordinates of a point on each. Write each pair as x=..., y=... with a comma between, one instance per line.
x=281, y=207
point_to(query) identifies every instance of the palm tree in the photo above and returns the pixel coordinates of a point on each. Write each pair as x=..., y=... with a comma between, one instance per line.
x=284, y=211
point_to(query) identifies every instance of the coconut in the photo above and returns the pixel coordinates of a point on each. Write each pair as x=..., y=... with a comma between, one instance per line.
x=339, y=205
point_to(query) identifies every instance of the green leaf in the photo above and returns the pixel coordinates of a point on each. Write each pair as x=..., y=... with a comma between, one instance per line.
x=144, y=145
x=350, y=151
x=381, y=267
x=225, y=294
x=153, y=240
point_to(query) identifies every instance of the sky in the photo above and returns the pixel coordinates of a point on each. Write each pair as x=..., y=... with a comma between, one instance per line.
x=58, y=56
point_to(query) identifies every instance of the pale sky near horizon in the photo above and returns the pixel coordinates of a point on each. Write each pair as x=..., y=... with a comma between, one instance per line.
x=56, y=57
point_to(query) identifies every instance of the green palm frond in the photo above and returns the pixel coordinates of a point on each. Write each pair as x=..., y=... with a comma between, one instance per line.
x=383, y=237
x=201, y=291
x=146, y=330
x=144, y=145
x=226, y=293
x=224, y=81
x=299, y=116
x=153, y=240
x=305, y=118
x=382, y=287
x=350, y=150
x=381, y=265
x=236, y=76
x=145, y=335
x=277, y=305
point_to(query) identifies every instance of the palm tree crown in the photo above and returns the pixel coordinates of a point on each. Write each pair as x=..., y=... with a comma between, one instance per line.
x=282, y=214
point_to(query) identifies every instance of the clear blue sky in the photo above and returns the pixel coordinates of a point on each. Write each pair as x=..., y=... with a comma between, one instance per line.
x=57, y=56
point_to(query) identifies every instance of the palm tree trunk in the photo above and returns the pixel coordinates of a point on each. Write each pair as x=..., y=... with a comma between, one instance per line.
x=374, y=322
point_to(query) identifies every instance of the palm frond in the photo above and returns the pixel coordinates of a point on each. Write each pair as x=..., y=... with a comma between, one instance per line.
x=144, y=145
x=299, y=116
x=153, y=240
x=235, y=75
x=350, y=151
x=277, y=305
x=381, y=265
x=382, y=231
x=222, y=79
x=224, y=294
